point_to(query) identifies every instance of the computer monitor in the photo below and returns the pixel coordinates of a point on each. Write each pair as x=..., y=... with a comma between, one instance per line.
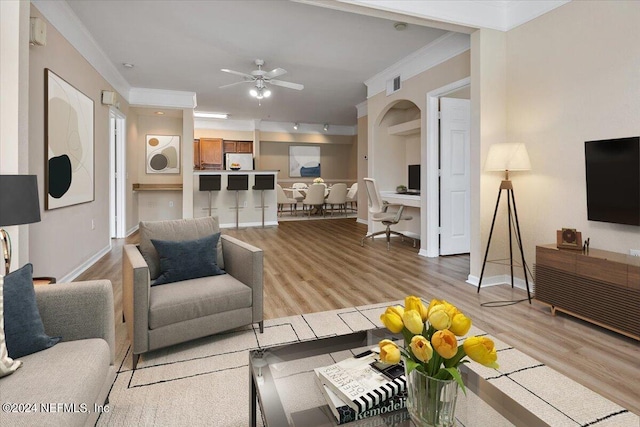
x=414, y=177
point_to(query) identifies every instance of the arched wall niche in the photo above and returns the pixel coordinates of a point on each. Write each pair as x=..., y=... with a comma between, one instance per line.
x=396, y=143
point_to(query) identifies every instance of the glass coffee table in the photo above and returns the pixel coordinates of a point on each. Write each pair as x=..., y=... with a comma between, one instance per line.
x=283, y=383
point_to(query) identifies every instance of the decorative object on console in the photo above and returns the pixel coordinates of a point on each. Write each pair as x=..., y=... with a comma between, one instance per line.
x=163, y=153
x=569, y=238
x=505, y=157
x=69, y=134
x=432, y=356
x=19, y=204
x=401, y=189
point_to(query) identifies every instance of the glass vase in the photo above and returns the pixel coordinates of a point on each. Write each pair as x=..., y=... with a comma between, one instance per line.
x=430, y=401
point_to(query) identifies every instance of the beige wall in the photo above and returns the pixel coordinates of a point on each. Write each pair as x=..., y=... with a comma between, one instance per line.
x=488, y=125
x=156, y=125
x=64, y=240
x=572, y=76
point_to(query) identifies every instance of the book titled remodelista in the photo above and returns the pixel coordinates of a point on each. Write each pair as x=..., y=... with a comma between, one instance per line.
x=358, y=384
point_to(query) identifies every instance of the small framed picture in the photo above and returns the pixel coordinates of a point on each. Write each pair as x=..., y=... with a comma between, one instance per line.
x=569, y=238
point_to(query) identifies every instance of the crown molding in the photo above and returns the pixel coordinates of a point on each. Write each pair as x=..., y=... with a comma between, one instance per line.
x=143, y=97
x=435, y=53
x=60, y=15
x=493, y=14
x=362, y=109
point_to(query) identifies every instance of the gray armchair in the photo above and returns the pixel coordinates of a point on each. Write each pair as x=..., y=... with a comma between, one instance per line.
x=163, y=315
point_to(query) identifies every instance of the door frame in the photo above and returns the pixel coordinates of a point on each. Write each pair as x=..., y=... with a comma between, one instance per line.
x=117, y=162
x=430, y=202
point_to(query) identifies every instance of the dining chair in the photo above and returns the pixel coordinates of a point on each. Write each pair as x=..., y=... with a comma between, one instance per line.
x=314, y=197
x=379, y=211
x=352, y=196
x=284, y=200
x=337, y=196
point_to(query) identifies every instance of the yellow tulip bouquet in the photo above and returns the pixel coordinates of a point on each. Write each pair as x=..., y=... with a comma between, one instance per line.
x=431, y=345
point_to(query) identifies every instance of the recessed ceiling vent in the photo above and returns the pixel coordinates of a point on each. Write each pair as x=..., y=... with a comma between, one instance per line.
x=393, y=85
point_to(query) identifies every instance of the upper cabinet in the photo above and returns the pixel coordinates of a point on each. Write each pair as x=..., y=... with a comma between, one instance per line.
x=238, y=146
x=210, y=153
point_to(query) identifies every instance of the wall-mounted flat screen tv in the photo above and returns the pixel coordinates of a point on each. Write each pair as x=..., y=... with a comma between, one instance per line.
x=613, y=180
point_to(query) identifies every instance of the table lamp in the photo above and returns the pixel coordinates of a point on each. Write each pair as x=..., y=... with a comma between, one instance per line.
x=507, y=157
x=19, y=204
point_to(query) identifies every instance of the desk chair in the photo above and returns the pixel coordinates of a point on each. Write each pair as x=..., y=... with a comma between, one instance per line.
x=378, y=210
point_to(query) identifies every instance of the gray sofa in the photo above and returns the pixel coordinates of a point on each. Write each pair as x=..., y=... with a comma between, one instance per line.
x=78, y=372
x=172, y=313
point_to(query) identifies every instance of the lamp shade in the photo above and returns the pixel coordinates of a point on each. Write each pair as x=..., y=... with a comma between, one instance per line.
x=507, y=157
x=19, y=202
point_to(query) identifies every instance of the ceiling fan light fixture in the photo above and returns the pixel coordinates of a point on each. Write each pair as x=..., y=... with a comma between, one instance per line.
x=253, y=93
x=266, y=93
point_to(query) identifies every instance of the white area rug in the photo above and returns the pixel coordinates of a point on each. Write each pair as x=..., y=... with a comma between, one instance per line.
x=206, y=382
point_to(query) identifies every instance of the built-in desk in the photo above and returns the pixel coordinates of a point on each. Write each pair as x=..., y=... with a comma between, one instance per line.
x=411, y=227
x=223, y=202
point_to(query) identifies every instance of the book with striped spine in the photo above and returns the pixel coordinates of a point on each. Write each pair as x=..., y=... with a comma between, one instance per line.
x=358, y=384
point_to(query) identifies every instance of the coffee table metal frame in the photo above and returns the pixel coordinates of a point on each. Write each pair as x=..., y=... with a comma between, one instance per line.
x=273, y=411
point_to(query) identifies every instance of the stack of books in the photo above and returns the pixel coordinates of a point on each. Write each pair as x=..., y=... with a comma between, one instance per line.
x=361, y=387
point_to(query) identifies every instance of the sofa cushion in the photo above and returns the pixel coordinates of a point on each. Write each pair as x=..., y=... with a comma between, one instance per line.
x=195, y=298
x=174, y=230
x=7, y=364
x=23, y=328
x=187, y=259
x=72, y=372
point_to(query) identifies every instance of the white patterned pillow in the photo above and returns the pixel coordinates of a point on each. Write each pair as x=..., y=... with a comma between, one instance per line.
x=7, y=364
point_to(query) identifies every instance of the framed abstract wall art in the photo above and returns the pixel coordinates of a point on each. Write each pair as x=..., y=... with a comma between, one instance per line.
x=69, y=140
x=304, y=161
x=163, y=153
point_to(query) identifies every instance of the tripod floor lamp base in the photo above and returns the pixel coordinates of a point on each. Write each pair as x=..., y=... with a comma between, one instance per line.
x=508, y=186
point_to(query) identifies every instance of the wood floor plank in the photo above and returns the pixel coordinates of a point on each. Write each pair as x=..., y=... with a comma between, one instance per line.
x=318, y=265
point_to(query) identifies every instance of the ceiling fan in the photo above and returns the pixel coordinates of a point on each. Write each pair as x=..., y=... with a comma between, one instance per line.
x=261, y=78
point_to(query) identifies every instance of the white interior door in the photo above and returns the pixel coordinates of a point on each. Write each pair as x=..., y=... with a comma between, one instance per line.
x=455, y=201
x=117, y=175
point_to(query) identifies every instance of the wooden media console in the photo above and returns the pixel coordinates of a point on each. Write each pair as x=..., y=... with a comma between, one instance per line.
x=598, y=286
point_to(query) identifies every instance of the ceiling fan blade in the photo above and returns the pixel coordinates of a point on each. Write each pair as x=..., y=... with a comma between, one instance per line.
x=289, y=85
x=238, y=73
x=236, y=83
x=275, y=73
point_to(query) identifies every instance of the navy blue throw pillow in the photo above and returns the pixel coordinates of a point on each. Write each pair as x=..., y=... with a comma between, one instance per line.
x=187, y=259
x=23, y=328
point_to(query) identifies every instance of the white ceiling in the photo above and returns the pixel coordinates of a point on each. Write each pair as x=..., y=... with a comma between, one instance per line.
x=179, y=46
x=182, y=45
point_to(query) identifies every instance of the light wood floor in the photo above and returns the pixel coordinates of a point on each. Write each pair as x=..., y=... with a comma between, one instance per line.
x=312, y=266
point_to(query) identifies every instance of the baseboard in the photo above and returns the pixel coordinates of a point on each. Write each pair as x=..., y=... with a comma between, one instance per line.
x=503, y=279
x=362, y=221
x=133, y=230
x=85, y=265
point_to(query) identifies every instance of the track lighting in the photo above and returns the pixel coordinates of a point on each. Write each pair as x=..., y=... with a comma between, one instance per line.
x=296, y=126
x=326, y=127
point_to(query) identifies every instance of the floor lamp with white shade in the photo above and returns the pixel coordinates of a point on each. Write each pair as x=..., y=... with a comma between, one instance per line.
x=507, y=157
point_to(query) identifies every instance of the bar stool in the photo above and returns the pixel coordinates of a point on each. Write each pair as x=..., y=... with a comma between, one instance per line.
x=237, y=183
x=263, y=182
x=210, y=183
